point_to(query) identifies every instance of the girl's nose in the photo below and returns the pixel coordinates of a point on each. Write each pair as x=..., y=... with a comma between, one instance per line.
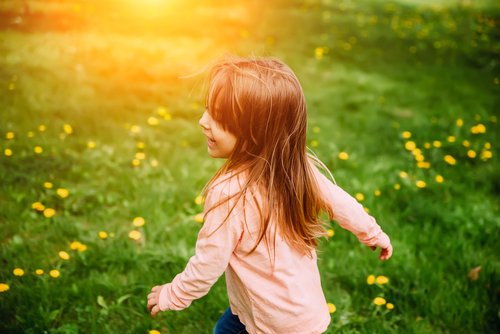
x=204, y=121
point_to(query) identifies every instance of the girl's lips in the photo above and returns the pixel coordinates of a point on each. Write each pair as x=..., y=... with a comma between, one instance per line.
x=210, y=142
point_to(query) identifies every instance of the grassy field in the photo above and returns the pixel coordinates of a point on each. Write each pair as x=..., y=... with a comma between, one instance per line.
x=102, y=158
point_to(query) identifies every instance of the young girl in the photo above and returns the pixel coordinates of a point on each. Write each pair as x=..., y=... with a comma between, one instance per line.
x=262, y=207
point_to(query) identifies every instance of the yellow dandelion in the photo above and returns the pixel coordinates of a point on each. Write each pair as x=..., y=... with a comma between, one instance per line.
x=140, y=145
x=42, y=128
x=91, y=144
x=49, y=212
x=82, y=248
x=466, y=143
x=360, y=197
x=460, y=122
x=319, y=52
x=154, y=331
x=9, y=135
x=63, y=255
x=436, y=143
x=397, y=186
x=140, y=155
x=423, y=164
x=154, y=163
x=485, y=155
x=167, y=117
x=48, y=185
x=420, y=184
x=439, y=179
x=477, y=129
x=18, y=272
x=314, y=143
x=410, y=145
x=199, y=218
x=487, y=145
x=403, y=174
x=54, y=273
x=7, y=152
x=161, y=111
x=103, y=235
x=406, y=134
x=31, y=134
x=38, y=149
x=4, y=287
x=389, y=306
x=450, y=160
x=343, y=156
x=199, y=200
x=39, y=272
x=68, y=129
x=134, y=235
x=74, y=245
x=419, y=158
x=38, y=206
x=332, y=308
x=377, y=192
x=316, y=129
x=471, y=154
x=135, y=129
x=153, y=121
x=379, y=301
x=63, y=193
x=136, y=162
x=370, y=279
x=451, y=139
x=427, y=145
x=138, y=221
x=330, y=233
x=382, y=279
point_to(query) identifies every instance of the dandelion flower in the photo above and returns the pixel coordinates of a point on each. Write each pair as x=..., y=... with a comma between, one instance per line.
x=450, y=160
x=68, y=129
x=427, y=145
x=4, y=287
x=420, y=184
x=154, y=163
x=48, y=185
x=63, y=255
x=406, y=134
x=103, y=235
x=477, y=129
x=330, y=233
x=360, y=197
x=18, y=272
x=471, y=154
x=42, y=128
x=31, y=134
x=382, y=280
x=199, y=200
x=436, y=143
x=466, y=143
x=439, y=179
x=451, y=139
x=389, y=306
x=377, y=192
x=54, y=273
x=460, y=122
x=38, y=206
x=379, y=301
x=403, y=175
x=91, y=144
x=343, y=156
x=370, y=279
x=410, y=145
x=319, y=52
x=136, y=162
x=135, y=129
x=332, y=308
x=314, y=143
x=487, y=145
x=154, y=331
x=74, y=245
x=63, y=193
x=153, y=121
x=423, y=164
x=39, y=272
x=38, y=149
x=199, y=218
x=9, y=135
x=139, y=221
x=48, y=213
x=140, y=145
x=134, y=235
x=316, y=129
x=485, y=155
x=397, y=186
x=140, y=155
x=82, y=248
x=7, y=152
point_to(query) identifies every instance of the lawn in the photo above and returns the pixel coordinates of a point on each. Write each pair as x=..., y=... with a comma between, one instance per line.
x=102, y=159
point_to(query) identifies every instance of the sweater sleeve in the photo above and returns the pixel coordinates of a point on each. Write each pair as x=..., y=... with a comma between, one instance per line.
x=350, y=214
x=214, y=247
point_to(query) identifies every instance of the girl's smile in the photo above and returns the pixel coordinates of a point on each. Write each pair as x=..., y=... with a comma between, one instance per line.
x=220, y=143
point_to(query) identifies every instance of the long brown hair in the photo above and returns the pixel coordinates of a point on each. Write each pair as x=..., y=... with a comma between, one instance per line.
x=261, y=102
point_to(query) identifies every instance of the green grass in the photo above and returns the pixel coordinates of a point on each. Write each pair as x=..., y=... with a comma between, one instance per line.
x=370, y=70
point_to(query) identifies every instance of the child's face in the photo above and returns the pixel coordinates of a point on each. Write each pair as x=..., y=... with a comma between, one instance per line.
x=220, y=143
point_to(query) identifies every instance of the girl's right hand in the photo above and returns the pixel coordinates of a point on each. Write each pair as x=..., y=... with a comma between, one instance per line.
x=385, y=253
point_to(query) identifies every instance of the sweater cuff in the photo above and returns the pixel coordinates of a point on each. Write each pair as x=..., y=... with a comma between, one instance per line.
x=164, y=299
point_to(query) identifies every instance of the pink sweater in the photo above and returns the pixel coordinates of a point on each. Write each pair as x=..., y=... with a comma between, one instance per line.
x=287, y=300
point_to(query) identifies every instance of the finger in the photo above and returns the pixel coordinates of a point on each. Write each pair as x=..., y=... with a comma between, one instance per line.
x=154, y=311
x=155, y=288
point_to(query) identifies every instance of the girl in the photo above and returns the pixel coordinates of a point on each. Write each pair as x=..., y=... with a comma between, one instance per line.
x=262, y=207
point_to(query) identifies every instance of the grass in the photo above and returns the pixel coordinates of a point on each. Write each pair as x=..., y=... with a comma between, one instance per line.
x=370, y=72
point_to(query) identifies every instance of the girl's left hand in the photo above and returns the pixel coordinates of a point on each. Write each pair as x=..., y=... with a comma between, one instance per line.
x=153, y=299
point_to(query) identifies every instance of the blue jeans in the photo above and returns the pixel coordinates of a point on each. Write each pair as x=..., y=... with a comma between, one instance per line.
x=229, y=324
